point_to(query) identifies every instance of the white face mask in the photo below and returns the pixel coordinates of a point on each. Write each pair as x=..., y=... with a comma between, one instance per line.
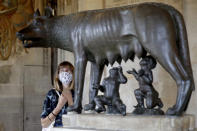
x=65, y=77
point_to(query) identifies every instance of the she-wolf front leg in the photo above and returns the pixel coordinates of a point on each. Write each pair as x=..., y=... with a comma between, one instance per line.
x=80, y=68
x=95, y=78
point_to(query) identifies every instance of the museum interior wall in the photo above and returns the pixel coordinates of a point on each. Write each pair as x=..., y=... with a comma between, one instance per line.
x=25, y=77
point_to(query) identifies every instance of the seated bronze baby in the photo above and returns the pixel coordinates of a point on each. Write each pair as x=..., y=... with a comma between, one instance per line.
x=146, y=90
x=110, y=88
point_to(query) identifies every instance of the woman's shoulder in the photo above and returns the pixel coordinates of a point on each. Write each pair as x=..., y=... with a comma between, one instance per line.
x=51, y=92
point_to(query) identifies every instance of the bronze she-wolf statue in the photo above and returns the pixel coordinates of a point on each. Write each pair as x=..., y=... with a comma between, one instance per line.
x=108, y=35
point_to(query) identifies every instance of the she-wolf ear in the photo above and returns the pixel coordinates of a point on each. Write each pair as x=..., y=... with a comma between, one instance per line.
x=37, y=13
x=48, y=12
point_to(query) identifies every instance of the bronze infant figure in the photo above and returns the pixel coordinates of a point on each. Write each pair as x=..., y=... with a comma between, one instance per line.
x=146, y=90
x=108, y=35
x=111, y=97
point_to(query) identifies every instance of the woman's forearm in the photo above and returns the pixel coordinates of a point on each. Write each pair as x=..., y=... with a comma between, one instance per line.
x=45, y=122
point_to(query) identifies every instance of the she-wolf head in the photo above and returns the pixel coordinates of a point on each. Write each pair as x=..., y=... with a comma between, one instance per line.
x=35, y=34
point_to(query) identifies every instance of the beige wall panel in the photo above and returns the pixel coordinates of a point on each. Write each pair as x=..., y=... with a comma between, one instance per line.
x=67, y=7
x=190, y=10
x=90, y=4
x=114, y=3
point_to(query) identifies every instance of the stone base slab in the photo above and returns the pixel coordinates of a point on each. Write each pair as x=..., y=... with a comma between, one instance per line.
x=130, y=122
x=71, y=129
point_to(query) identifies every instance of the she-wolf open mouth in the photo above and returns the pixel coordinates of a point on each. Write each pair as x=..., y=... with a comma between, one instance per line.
x=28, y=41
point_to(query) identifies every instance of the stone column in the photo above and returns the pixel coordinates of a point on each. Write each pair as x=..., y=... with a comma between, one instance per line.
x=65, y=7
x=178, y=4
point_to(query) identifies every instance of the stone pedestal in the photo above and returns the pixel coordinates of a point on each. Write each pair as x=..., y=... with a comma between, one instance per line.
x=93, y=122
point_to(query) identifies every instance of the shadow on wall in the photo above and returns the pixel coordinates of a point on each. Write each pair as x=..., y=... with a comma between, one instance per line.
x=5, y=72
x=1, y=127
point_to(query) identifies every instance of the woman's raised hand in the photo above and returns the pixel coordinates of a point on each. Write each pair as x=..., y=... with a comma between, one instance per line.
x=61, y=102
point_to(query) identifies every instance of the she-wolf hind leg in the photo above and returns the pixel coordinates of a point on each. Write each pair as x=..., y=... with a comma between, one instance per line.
x=184, y=90
x=171, y=62
x=95, y=78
